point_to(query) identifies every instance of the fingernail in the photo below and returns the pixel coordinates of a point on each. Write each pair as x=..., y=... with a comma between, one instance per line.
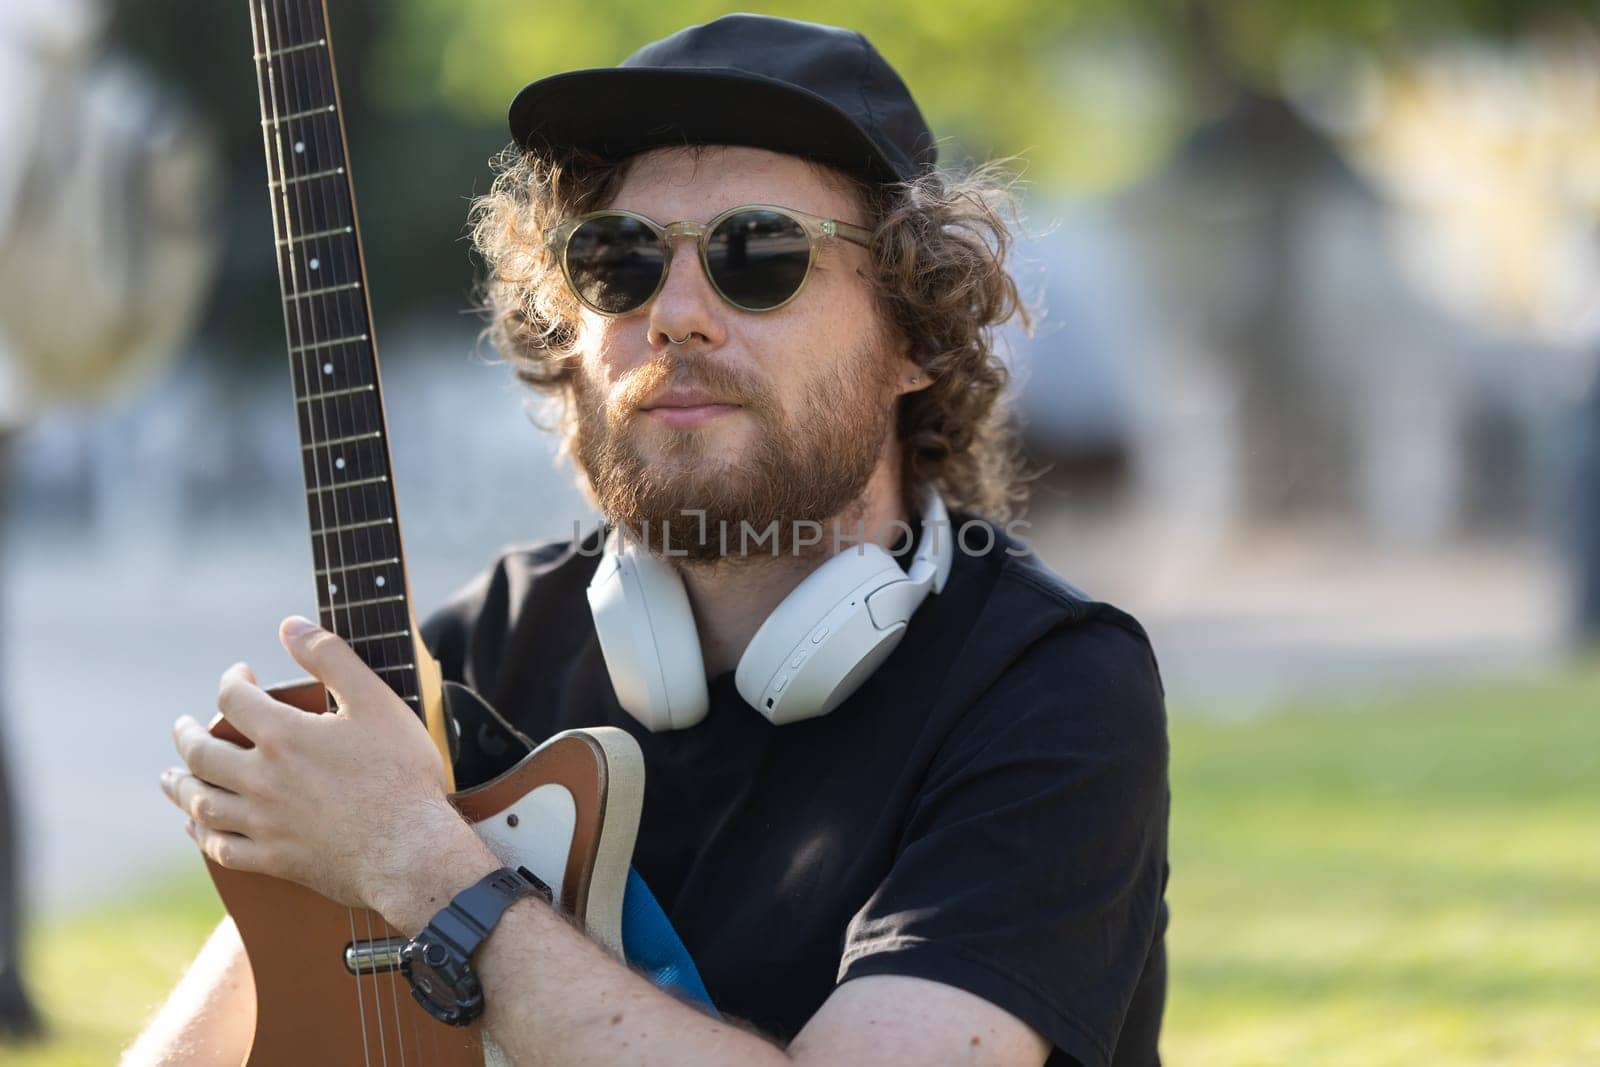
x=295, y=625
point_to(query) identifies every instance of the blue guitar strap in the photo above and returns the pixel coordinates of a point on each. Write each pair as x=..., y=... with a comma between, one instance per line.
x=651, y=944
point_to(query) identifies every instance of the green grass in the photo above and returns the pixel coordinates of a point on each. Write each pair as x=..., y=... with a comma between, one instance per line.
x=1414, y=880
x=1411, y=881
x=98, y=975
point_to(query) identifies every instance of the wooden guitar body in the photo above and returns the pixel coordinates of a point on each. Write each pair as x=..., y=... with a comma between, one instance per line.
x=568, y=811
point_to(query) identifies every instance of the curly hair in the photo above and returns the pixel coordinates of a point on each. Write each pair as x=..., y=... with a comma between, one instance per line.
x=940, y=247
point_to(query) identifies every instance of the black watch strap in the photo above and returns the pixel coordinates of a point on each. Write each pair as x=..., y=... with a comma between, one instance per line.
x=467, y=919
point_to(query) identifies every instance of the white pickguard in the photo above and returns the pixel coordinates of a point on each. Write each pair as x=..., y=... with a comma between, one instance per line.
x=541, y=837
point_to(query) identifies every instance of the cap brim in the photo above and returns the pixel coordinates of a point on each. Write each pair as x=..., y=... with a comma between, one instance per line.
x=616, y=112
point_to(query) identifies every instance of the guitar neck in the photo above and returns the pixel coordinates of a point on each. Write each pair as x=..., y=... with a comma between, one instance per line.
x=362, y=591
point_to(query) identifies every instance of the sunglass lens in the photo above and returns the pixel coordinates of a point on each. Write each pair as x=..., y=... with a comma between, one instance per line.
x=758, y=258
x=614, y=263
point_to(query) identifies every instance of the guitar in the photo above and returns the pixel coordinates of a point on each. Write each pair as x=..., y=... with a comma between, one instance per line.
x=328, y=989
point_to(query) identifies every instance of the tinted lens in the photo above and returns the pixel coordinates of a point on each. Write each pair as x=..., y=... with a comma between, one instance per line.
x=614, y=263
x=758, y=258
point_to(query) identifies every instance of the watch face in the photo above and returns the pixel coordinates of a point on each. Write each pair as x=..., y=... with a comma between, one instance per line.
x=447, y=988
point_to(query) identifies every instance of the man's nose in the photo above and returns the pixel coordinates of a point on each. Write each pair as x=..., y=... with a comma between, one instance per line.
x=687, y=303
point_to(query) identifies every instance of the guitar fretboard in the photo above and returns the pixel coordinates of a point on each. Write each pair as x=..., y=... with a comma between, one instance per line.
x=362, y=592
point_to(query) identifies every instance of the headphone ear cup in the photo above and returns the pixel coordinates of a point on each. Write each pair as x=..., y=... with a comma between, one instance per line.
x=822, y=642
x=648, y=638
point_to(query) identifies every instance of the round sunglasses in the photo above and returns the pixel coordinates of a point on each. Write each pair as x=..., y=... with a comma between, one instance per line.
x=757, y=256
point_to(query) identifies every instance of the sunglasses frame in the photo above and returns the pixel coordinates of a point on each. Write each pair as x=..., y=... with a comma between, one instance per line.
x=817, y=229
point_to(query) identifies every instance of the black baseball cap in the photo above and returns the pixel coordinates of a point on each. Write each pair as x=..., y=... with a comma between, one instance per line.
x=804, y=89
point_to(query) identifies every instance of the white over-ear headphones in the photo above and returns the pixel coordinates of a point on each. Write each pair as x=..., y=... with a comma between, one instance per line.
x=813, y=651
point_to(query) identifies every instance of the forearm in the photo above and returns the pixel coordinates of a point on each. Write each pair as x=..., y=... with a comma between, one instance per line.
x=209, y=1016
x=554, y=996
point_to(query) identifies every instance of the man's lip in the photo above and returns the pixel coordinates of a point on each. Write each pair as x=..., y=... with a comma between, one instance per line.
x=685, y=398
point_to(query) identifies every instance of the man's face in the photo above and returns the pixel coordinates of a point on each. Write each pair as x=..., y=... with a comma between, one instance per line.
x=759, y=417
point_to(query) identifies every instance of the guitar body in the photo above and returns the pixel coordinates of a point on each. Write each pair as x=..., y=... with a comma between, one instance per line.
x=568, y=811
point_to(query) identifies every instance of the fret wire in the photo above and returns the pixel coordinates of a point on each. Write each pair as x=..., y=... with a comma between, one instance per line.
x=329, y=344
x=291, y=48
x=334, y=394
x=335, y=232
x=371, y=601
x=380, y=637
x=349, y=485
x=307, y=177
x=320, y=109
x=323, y=572
x=341, y=440
x=324, y=290
x=347, y=527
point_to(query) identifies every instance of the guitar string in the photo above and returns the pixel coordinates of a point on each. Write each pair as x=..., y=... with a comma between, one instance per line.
x=317, y=83
x=301, y=339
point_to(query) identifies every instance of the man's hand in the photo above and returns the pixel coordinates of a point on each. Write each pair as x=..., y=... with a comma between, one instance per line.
x=341, y=803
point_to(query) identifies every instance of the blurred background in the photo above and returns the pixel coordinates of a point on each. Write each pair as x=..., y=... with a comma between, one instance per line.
x=1314, y=393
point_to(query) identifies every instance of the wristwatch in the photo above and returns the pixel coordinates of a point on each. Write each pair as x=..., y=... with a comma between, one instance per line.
x=438, y=961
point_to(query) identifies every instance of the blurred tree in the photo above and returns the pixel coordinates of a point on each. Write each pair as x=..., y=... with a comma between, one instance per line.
x=988, y=73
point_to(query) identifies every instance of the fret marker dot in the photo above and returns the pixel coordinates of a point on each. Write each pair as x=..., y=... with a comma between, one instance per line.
x=381, y=581
x=333, y=590
x=339, y=463
x=327, y=368
x=315, y=263
x=299, y=146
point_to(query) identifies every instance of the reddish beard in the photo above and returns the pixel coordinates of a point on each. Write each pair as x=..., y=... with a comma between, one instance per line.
x=807, y=467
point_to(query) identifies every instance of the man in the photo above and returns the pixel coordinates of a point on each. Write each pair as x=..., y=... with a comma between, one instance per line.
x=962, y=861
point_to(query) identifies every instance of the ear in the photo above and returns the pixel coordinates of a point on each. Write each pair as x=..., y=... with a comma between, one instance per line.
x=908, y=375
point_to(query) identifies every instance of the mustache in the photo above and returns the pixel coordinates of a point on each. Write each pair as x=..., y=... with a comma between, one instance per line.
x=678, y=369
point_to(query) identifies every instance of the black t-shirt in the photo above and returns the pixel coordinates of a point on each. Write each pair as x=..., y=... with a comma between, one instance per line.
x=989, y=810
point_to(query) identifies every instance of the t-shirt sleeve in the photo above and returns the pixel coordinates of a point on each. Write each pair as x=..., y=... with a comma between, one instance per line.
x=1033, y=865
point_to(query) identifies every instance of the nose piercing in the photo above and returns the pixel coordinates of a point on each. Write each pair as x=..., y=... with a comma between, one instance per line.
x=679, y=341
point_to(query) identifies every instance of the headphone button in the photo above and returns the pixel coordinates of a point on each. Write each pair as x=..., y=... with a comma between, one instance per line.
x=798, y=659
x=783, y=680
x=818, y=634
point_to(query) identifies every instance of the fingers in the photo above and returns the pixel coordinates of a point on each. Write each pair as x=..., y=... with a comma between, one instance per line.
x=231, y=850
x=206, y=804
x=247, y=706
x=217, y=761
x=332, y=662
